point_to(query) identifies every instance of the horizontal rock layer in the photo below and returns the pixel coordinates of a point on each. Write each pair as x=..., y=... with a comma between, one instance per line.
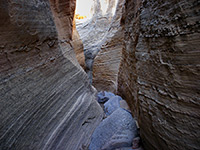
x=46, y=100
x=160, y=70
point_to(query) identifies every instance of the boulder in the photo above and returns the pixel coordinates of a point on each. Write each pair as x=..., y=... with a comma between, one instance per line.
x=116, y=131
x=104, y=96
x=112, y=104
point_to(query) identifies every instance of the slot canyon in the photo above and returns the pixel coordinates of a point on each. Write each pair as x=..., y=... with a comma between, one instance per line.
x=65, y=65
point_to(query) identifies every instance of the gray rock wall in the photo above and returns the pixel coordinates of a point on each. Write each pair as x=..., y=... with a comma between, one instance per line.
x=160, y=71
x=46, y=100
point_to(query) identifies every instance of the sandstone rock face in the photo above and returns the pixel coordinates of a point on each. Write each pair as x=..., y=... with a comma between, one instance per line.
x=98, y=34
x=78, y=46
x=45, y=97
x=106, y=63
x=160, y=70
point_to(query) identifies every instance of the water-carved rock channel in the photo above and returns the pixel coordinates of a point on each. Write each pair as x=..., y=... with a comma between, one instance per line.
x=56, y=66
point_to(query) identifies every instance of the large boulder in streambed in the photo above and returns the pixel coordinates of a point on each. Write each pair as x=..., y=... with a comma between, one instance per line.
x=116, y=131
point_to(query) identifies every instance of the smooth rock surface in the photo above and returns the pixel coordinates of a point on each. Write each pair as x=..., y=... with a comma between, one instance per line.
x=160, y=71
x=46, y=100
x=112, y=104
x=117, y=130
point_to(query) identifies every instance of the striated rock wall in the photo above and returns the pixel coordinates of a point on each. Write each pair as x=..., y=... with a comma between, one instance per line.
x=93, y=30
x=160, y=71
x=106, y=63
x=46, y=100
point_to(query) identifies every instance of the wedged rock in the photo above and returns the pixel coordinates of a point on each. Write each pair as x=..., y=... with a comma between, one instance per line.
x=101, y=98
x=118, y=130
x=109, y=94
x=112, y=104
x=104, y=96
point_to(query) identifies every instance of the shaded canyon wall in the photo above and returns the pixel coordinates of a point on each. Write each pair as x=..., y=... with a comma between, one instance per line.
x=46, y=100
x=159, y=74
x=106, y=63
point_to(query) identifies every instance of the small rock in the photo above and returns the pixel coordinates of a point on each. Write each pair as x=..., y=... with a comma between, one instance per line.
x=104, y=96
x=112, y=104
x=108, y=94
x=116, y=131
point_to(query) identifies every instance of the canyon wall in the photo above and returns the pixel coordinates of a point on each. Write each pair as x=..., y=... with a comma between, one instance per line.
x=94, y=30
x=46, y=100
x=106, y=63
x=160, y=71
x=77, y=45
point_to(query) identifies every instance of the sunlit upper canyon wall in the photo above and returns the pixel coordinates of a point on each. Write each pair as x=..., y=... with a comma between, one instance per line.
x=45, y=96
x=101, y=34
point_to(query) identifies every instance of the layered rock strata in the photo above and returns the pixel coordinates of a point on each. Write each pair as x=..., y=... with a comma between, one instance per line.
x=46, y=100
x=107, y=61
x=160, y=70
x=94, y=31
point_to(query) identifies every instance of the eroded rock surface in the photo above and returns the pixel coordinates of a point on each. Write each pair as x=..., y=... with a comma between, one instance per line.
x=160, y=70
x=78, y=46
x=102, y=33
x=46, y=100
x=107, y=61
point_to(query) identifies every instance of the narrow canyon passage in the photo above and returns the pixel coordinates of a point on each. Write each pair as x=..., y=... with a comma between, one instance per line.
x=56, y=65
x=148, y=52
